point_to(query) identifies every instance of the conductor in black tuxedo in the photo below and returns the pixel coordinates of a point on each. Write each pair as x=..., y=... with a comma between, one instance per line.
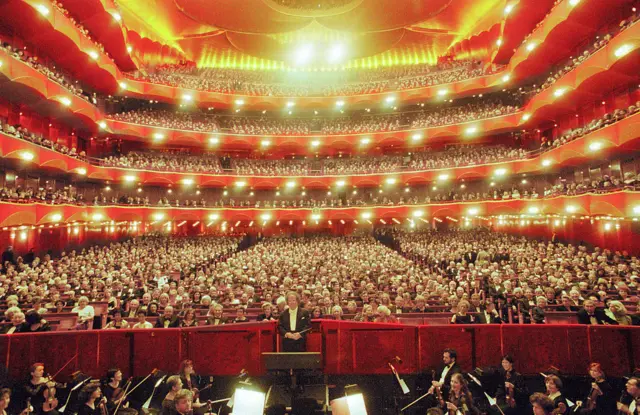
x=291, y=323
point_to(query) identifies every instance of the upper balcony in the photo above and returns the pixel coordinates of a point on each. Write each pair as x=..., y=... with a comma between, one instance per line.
x=550, y=39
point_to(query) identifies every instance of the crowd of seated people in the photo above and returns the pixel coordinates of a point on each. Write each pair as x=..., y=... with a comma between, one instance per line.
x=272, y=167
x=344, y=83
x=349, y=125
x=166, y=161
x=495, y=276
x=24, y=134
x=41, y=195
x=52, y=73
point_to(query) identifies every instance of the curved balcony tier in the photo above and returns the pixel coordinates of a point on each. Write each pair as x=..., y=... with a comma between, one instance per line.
x=57, y=34
x=609, y=141
x=618, y=204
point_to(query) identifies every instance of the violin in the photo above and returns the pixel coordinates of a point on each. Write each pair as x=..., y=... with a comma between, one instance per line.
x=50, y=399
x=593, y=396
x=103, y=406
x=437, y=390
x=119, y=393
x=28, y=409
x=510, y=398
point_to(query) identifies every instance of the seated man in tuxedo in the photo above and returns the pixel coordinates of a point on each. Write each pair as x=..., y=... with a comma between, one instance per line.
x=442, y=380
x=167, y=319
x=592, y=315
x=293, y=324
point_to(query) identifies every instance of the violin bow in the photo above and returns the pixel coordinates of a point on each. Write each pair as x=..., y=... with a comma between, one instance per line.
x=65, y=365
x=126, y=394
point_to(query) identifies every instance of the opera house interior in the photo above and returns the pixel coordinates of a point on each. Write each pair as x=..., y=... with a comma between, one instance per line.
x=308, y=207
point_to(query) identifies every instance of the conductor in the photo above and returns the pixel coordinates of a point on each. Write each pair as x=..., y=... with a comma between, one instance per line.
x=293, y=324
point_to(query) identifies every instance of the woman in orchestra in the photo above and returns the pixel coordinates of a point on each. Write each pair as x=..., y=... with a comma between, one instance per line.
x=189, y=381
x=541, y=404
x=168, y=403
x=37, y=387
x=512, y=392
x=114, y=392
x=92, y=401
x=554, y=386
x=460, y=399
x=463, y=316
x=601, y=400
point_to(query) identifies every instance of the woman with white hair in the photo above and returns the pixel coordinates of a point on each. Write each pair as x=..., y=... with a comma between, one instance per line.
x=384, y=315
x=336, y=312
x=619, y=311
x=85, y=314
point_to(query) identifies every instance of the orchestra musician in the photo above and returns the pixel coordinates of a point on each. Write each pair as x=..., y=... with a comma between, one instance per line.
x=630, y=401
x=5, y=400
x=554, y=387
x=601, y=400
x=182, y=406
x=37, y=387
x=115, y=394
x=168, y=403
x=512, y=394
x=190, y=382
x=542, y=404
x=92, y=401
x=291, y=322
x=460, y=401
x=451, y=367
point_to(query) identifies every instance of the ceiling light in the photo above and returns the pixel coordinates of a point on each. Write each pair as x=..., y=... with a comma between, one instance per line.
x=366, y=215
x=636, y=210
x=443, y=92
x=187, y=97
x=416, y=137
x=595, y=146
x=546, y=163
x=574, y=2
x=27, y=155
x=102, y=125
x=214, y=216
x=123, y=85
x=97, y=217
x=56, y=217
x=82, y=171
x=417, y=213
x=239, y=102
x=500, y=172
x=533, y=210
x=340, y=183
x=129, y=178
x=509, y=8
x=623, y=50
x=390, y=99
x=531, y=46
x=116, y=16
x=241, y=184
x=506, y=78
x=265, y=217
x=473, y=211
x=265, y=143
x=214, y=140
x=316, y=216
x=571, y=209
x=94, y=55
x=443, y=177
x=559, y=92
x=158, y=136
x=291, y=104
x=315, y=143
x=129, y=49
x=499, y=42
x=303, y=54
x=471, y=130
x=391, y=180
x=291, y=185
x=158, y=216
x=187, y=182
x=65, y=101
x=42, y=9
x=340, y=103
x=365, y=141
x=526, y=116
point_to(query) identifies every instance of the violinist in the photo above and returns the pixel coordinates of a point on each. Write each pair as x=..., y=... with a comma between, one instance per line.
x=189, y=381
x=5, y=399
x=541, y=403
x=41, y=391
x=449, y=357
x=168, y=403
x=92, y=401
x=554, y=386
x=512, y=391
x=114, y=392
x=600, y=400
x=460, y=401
x=182, y=406
x=630, y=401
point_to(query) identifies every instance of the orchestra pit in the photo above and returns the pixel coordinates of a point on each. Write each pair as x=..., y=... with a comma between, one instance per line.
x=347, y=207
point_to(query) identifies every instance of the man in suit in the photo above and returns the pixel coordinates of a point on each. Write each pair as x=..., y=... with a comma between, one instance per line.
x=291, y=323
x=449, y=357
x=489, y=315
x=167, y=319
x=592, y=315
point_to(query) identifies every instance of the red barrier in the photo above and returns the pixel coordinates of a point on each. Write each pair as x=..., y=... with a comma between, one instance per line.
x=347, y=347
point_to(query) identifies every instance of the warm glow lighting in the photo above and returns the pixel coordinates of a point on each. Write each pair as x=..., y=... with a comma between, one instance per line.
x=123, y=85
x=416, y=137
x=499, y=42
x=473, y=211
x=214, y=140
x=27, y=155
x=526, y=117
x=129, y=178
x=187, y=182
x=559, y=92
x=303, y=54
x=158, y=216
x=443, y=92
x=443, y=177
x=391, y=180
x=571, y=209
x=187, y=97
x=158, y=136
x=366, y=215
x=336, y=53
x=506, y=78
x=56, y=217
x=265, y=143
x=365, y=141
x=241, y=184
x=595, y=146
x=418, y=214
x=471, y=130
x=97, y=217
x=129, y=49
x=607, y=226
x=500, y=172
x=239, y=102
x=508, y=9
x=315, y=143
x=94, y=55
x=214, y=216
x=102, y=125
x=623, y=50
x=574, y=2
x=265, y=217
x=42, y=9
x=116, y=16
x=531, y=46
x=65, y=101
x=340, y=103
x=533, y=210
x=291, y=185
x=546, y=163
x=340, y=183
x=82, y=171
x=291, y=104
x=316, y=216
x=390, y=99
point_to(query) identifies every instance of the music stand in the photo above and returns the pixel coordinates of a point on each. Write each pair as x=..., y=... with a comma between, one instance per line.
x=292, y=362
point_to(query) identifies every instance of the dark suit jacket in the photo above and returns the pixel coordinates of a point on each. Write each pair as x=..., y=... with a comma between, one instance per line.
x=599, y=314
x=303, y=322
x=173, y=322
x=482, y=318
x=211, y=321
x=447, y=379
